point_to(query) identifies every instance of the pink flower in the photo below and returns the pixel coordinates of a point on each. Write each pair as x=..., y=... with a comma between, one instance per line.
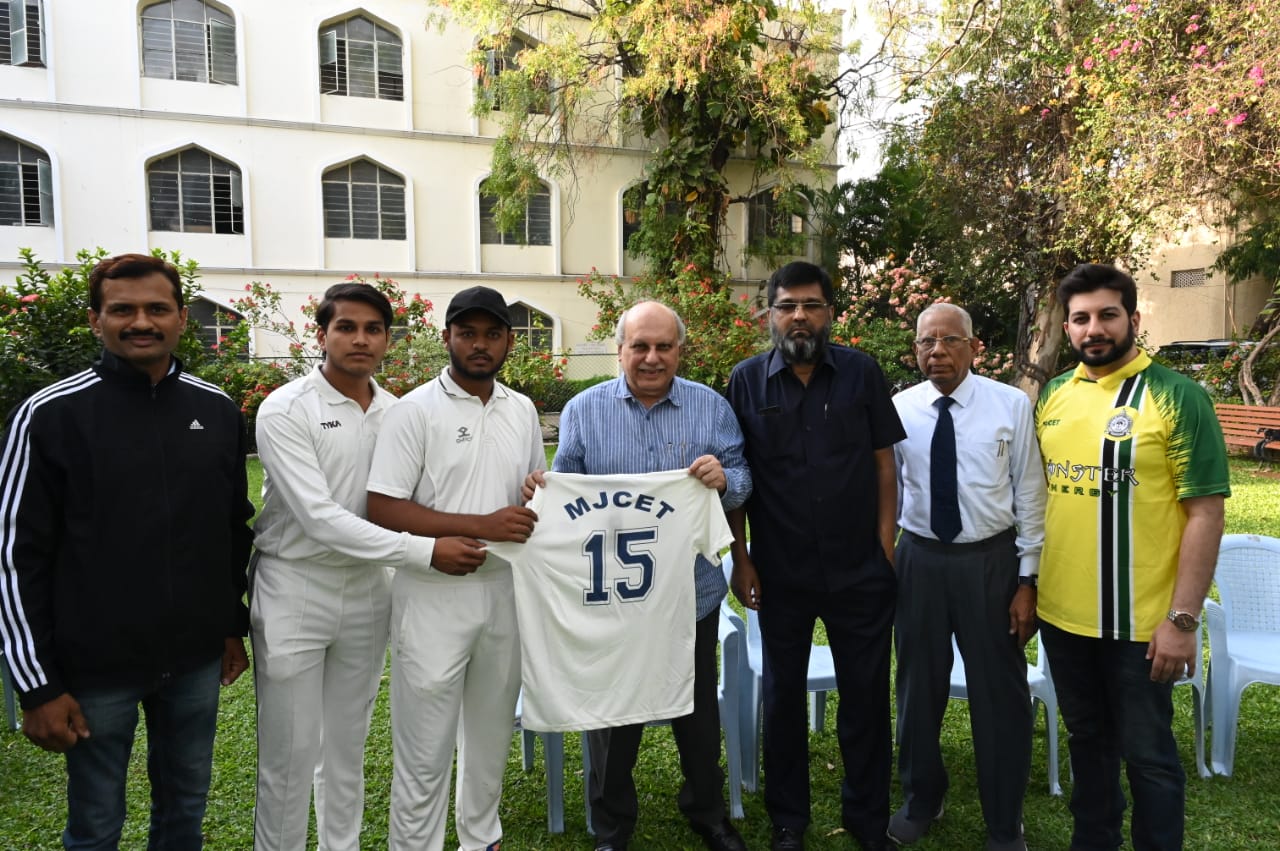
x=29, y=298
x=1044, y=113
x=1210, y=110
x=1236, y=120
x=1191, y=28
x=1199, y=50
x=1088, y=63
x=1255, y=74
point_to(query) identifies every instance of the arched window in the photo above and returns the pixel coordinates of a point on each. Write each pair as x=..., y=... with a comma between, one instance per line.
x=508, y=59
x=21, y=36
x=771, y=216
x=632, y=204
x=533, y=229
x=215, y=321
x=188, y=40
x=362, y=200
x=536, y=327
x=26, y=185
x=361, y=59
x=193, y=191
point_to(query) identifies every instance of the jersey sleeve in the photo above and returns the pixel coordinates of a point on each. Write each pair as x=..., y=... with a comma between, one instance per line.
x=401, y=451
x=1197, y=451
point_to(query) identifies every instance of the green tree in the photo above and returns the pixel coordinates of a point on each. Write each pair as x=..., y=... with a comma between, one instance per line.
x=704, y=82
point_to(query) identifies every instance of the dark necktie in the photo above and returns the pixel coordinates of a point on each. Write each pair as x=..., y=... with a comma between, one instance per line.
x=944, y=500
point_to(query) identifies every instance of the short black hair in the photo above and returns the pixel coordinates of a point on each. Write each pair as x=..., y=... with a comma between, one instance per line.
x=348, y=291
x=1088, y=277
x=798, y=274
x=131, y=266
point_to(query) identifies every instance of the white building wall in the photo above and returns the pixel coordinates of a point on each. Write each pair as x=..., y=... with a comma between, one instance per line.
x=102, y=122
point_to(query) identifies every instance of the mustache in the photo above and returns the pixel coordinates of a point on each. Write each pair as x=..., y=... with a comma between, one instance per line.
x=129, y=335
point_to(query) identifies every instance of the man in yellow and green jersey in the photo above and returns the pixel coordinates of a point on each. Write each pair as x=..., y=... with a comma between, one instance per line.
x=1137, y=474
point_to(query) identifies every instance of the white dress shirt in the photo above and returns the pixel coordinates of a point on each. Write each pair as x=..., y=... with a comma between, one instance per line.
x=316, y=447
x=998, y=466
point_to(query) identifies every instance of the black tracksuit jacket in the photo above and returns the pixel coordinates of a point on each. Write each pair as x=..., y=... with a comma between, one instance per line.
x=123, y=530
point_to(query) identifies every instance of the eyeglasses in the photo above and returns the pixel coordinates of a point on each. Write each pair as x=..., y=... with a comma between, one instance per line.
x=809, y=307
x=950, y=341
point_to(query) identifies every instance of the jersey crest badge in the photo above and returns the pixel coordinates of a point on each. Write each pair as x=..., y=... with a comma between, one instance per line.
x=1120, y=424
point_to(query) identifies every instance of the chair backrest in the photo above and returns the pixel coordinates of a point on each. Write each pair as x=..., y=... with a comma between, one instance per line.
x=1248, y=577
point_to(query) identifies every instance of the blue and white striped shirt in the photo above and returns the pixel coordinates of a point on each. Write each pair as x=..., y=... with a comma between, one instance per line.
x=605, y=430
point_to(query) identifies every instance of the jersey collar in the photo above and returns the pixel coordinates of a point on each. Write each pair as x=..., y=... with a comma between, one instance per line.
x=1115, y=379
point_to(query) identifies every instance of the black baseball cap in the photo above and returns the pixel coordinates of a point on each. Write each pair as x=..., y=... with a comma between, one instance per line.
x=478, y=298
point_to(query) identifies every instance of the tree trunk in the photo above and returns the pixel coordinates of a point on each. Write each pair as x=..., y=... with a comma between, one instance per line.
x=1248, y=387
x=1040, y=337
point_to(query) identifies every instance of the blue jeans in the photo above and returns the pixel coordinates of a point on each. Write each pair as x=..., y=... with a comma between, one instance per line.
x=181, y=715
x=1114, y=711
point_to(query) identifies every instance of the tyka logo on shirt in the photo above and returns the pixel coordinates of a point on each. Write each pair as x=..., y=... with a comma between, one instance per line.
x=331, y=424
x=464, y=435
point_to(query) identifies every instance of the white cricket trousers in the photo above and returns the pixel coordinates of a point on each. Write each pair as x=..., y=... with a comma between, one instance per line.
x=455, y=677
x=319, y=648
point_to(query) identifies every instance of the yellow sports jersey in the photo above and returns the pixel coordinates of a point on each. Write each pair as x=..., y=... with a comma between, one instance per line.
x=1120, y=453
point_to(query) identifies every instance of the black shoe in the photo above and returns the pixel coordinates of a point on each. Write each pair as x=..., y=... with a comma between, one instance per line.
x=787, y=839
x=721, y=837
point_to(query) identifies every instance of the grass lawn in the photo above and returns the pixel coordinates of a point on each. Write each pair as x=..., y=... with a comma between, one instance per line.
x=1222, y=813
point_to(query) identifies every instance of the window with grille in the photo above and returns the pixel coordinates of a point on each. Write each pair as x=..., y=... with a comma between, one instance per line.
x=508, y=58
x=533, y=326
x=632, y=204
x=769, y=218
x=533, y=229
x=215, y=321
x=188, y=40
x=1188, y=278
x=193, y=191
x=362, y=200
x=361, y=59
x=21, y=36
x=26, y=185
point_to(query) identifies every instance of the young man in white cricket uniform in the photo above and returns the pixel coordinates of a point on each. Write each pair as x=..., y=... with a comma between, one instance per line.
x=450, y=463
x=321, y=598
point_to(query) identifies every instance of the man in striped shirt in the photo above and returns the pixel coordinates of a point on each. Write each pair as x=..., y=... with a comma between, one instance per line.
x=1137, y=473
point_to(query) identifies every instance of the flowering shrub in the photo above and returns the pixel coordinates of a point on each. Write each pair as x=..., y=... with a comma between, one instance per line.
x=722, y=330
x=881, y=321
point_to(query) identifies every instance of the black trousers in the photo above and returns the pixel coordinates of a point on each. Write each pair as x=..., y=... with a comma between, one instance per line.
x=611, y=789
x=963, y=589
x=859, y=623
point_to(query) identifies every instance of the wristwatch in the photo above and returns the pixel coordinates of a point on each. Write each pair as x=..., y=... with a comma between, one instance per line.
x=1028, y=580
x=1184, y=621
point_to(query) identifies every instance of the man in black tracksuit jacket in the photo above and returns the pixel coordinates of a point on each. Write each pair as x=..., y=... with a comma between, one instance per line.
x=123, y=544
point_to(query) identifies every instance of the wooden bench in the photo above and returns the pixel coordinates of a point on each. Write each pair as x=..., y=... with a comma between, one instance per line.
x=1255, y=428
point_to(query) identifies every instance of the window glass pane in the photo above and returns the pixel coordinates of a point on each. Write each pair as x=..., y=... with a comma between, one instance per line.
x=364, y=211
x=8, y=149
x=189, y=51
x=164, y=201
x=393, y=218
x=389, y=57
x=389, y=178
x=539, y=219
x=360, y=28
x=361, y=76
x=46, y=192
x=157, y=49
x=6, y=58
x=30, y=193
x=222, y=52
x=197, y=203
x=218, y=16
x=169, y=163
x=540, y=339
x=489, y=233
x=337, y=210
x=363, y=171
x=10, y=194
x=194, y=159
x=188, y=10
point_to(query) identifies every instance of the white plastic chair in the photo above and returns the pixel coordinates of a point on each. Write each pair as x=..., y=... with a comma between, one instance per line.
x=553, y=755
x=821, y=679
x=1041, y=685
x=1244, y=633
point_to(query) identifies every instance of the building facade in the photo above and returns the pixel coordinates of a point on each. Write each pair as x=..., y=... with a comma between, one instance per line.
x=293, y=142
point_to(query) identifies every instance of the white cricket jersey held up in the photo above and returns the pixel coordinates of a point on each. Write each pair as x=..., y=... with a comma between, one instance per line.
x=605, y=597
